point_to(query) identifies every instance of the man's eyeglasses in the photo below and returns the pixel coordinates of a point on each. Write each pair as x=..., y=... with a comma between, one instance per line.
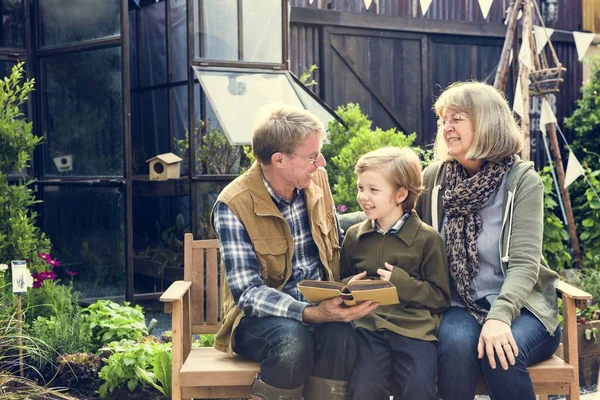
x=312, y=160
x=457, y=119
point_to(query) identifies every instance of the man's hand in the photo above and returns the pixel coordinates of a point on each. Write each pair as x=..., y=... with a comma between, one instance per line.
x=496, y=338
x=331, y=310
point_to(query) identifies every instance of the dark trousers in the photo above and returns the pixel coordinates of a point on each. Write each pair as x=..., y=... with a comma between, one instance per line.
x=290, y=351
x=391, y=364
x=459, y=367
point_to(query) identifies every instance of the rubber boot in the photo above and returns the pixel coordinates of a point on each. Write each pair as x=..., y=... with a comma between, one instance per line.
x=324, y=389
x=262, y=391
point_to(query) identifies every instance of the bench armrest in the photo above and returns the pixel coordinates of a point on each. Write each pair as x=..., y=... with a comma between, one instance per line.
x=176, y=291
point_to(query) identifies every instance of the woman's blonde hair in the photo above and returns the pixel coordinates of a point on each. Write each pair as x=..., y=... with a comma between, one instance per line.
x=280, y=128
x=496, y=133
x=401, y=167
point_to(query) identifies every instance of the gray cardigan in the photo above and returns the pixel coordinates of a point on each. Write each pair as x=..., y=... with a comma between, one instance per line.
x=528, y=281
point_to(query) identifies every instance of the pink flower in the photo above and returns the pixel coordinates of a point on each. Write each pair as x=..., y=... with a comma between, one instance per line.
x=72, y=273
x=44, y=256
x=53, y=262
x=342, y=208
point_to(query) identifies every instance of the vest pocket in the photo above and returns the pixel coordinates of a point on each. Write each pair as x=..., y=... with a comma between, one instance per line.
x=271, y=253
x=330, y=236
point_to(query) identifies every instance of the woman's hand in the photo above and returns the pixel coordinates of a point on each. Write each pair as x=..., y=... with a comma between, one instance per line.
x=386, y=273
x=496, y=337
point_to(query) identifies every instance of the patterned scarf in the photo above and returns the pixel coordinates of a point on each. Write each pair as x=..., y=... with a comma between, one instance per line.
x=462, y=198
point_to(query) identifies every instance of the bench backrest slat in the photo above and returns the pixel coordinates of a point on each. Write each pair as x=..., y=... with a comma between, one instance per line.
x=201, y=267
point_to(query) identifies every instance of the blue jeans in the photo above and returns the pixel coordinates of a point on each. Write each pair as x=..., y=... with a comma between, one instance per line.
x=459, y=368
x=290, y=351
x=388, y=363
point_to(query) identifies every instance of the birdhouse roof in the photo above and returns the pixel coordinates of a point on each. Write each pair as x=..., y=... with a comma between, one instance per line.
x=167, y=158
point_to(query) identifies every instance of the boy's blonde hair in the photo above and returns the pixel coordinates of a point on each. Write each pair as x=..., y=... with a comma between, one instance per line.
x=496, y=133
x=401, y=167
x=279, y=128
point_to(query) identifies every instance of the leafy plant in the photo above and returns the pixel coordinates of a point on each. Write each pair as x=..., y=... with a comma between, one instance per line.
x=132, y=364
x=348, y=143
x=556, y=237
x=307, y=76
x=204, y=340
x=78, y=367
x=109, y=321
x=19, y=236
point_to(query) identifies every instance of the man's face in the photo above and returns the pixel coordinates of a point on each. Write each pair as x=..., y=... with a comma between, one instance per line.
x=304, y=162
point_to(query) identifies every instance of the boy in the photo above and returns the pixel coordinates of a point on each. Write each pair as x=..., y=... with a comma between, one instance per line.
x=397, y=344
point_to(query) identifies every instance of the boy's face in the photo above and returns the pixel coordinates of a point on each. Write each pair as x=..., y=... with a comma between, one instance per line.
x=379, y=199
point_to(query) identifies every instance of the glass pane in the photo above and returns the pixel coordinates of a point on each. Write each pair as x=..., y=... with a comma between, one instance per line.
x=152, y=137
x=214, y=153
x=263, y=35
x=161, y=216
x=219, y=29
x=12, y=32
x=153, y=45
x=82, y=98
x=87, y=229
x=180, y=121
x=207, y=193
x=237, y=97
x=6, y=67
x=179, y=40
x=311, y=104
x=68, y=21
x=133, y=49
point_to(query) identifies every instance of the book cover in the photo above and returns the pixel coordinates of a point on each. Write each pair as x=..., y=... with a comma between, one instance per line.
x=382, y=292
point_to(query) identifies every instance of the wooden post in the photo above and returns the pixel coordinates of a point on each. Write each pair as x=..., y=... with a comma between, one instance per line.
x=502, y=71
x=524, y=75
x=20, y=335
x=560, y=171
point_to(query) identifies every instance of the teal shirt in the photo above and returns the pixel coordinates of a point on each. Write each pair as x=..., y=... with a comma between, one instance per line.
x=420, y=275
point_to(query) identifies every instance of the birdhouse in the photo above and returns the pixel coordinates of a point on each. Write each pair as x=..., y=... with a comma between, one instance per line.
x=164, y=166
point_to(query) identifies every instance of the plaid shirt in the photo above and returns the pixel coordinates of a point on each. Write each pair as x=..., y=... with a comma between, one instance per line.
x=395, y=228
x=248, y=288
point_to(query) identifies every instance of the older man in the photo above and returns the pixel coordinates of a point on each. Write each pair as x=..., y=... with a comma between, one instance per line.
x=276, y=226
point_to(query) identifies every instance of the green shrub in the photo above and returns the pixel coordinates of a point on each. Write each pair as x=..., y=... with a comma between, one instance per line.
x=109, y=321
x=347, y=144
x=556, y=237
x=133, y=364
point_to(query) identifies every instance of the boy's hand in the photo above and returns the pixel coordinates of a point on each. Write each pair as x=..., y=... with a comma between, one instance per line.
x=358, y=277
x=386, y=273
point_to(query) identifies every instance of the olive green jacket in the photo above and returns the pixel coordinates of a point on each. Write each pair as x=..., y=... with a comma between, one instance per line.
x=528, y=281
x=420, y=275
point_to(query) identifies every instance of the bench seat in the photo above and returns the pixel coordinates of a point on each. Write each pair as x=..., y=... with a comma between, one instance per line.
x=205, y=373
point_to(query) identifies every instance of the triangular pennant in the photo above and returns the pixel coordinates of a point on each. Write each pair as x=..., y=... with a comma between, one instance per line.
x=311, y=1
x=485, y=6
x=546, y=116
x=542, y=35
x=368, y=3
x=582, y=42
x=574, y=170
x=425, y=5
x=518, y=103
x=525, y=53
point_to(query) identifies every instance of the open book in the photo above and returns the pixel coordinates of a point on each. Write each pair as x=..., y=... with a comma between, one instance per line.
x=382, y=292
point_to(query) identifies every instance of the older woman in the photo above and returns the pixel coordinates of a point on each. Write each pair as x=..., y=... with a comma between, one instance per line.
x=488, y=205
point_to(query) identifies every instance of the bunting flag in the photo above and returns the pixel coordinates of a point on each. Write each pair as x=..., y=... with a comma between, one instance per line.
x=425, y=5
x=525, y=53
x=368, y=3
x=518, y=103
x=546, y=116
x=311, y=1
x=574, y=169
x=542, y=35
x=485, y=6
x=583, y=40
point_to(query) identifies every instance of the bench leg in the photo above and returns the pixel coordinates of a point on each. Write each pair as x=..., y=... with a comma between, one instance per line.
x=542, y=397
x=573, y=392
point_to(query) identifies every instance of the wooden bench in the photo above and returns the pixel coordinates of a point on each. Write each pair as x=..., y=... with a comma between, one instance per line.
x=205, y=373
